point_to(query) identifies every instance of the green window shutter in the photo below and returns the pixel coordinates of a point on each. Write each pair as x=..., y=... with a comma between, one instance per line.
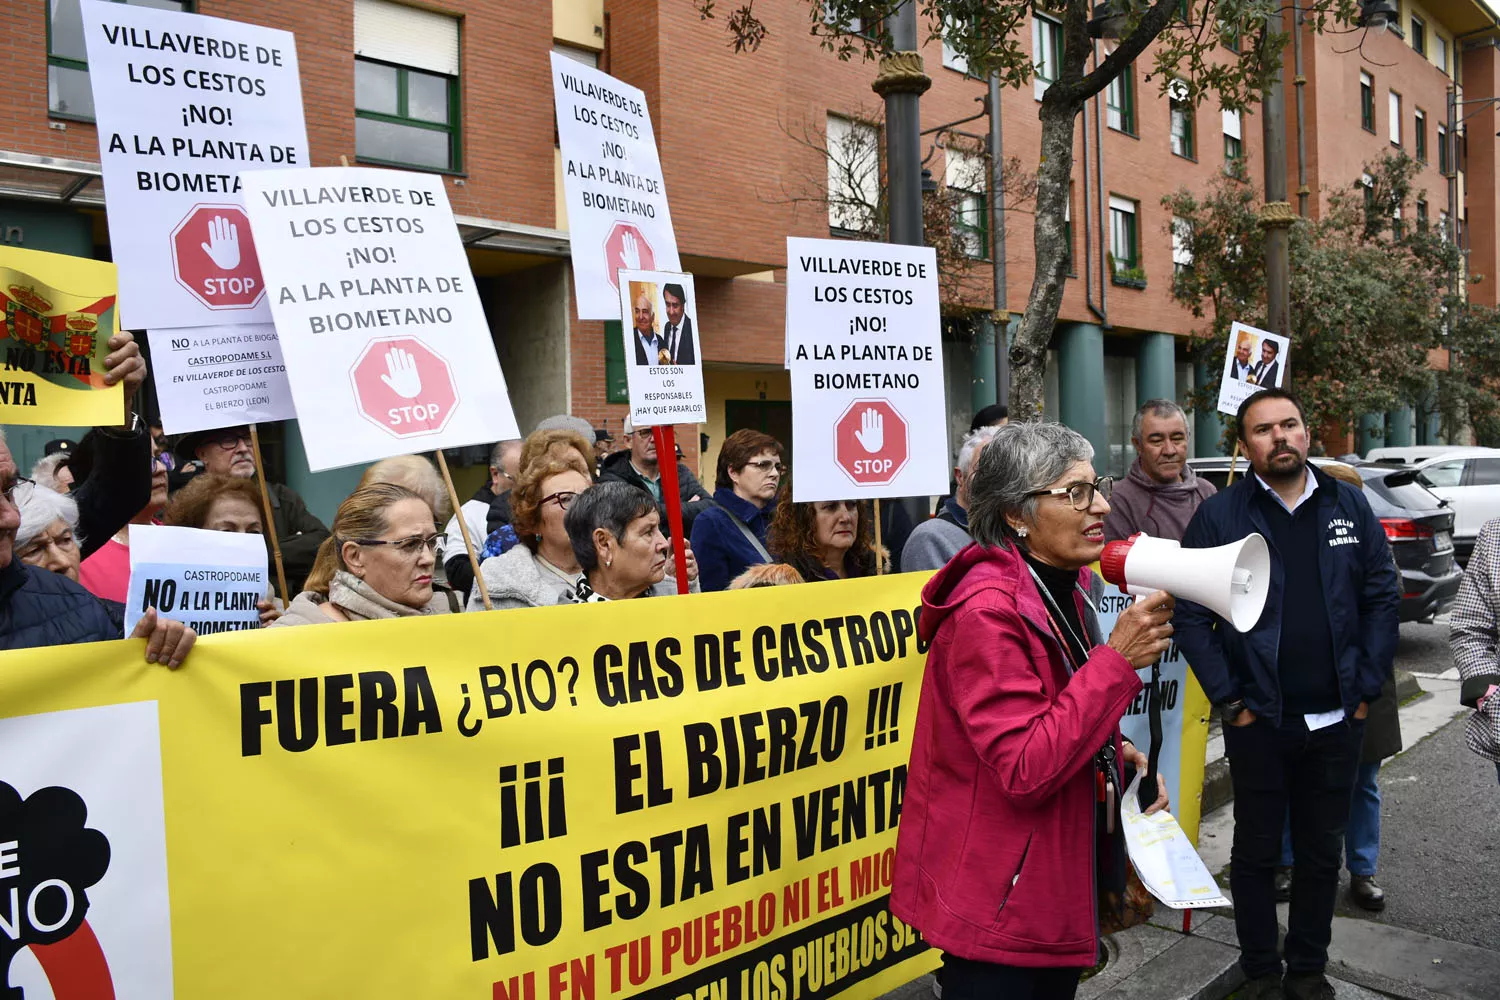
x=616, y=390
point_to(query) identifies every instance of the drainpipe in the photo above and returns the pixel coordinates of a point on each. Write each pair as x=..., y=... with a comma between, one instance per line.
x=1103, y=311
x=997, y=242
x=1301, y=83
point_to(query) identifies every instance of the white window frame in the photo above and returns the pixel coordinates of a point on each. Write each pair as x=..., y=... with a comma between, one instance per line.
x=1046, y=52
x=1182, y=244
x=1440, y=48
x=853, y=26
x=1234, y=128
x=951, y=57
x=852, y=199
x=1124, y=206
x=1419, y=132
x=1418, y=29
x=1393, y=109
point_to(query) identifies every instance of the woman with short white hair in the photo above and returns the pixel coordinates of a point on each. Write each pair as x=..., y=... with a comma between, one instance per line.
x=48, y=535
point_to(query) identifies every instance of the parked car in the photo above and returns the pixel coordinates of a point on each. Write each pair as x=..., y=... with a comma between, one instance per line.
x=1417, y=522
x=1407, y=454
x=1469, y=479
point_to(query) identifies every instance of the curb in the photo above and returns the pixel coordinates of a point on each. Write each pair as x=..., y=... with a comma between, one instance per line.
x=1217, y=789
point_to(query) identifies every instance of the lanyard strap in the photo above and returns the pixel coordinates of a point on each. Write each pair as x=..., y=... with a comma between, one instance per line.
x=1048, y=606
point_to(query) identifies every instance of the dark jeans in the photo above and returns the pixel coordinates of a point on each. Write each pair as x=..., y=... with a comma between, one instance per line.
x=964, y=979
x=1276, y=771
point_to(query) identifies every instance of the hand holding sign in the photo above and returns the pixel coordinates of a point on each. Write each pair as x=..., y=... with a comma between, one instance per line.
x=223, y=246
x=871, y=433
x=402, y=376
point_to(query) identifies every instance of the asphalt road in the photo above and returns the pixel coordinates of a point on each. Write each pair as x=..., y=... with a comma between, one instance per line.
x=1440, y=841
x=1424, y=648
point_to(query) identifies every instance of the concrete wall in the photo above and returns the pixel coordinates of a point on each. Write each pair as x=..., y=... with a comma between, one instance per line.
x=528, y=312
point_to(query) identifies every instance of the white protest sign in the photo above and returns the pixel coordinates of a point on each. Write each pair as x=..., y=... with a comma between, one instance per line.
x=617, y=204
x=1254, y=360
x=208, y=580
x=865, y=353
x=386, y=345
x=219, y=376
x=184, y=103
x=663, y=363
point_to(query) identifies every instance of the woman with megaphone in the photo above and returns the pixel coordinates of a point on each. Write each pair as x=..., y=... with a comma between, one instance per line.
x=1010, y=838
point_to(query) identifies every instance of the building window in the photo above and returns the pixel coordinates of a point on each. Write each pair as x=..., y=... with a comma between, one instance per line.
x=1445, y=153
x=1234, y=147
x=68, y=91
x=1440, y=51
x=406, y=107
x=1182, y=245
x=1124, y=243
x=1443, y=224
x=1182, y=119
x=1046, y=50
x=952, y=58
x=971, y=216
x=587, y=57
x=853, y=175
x=851, y=25
x=1419, y=134
x=1367, y=101
x=1421, y=215
x=1393, y=101
x=1119, y=101
x=1418, y=36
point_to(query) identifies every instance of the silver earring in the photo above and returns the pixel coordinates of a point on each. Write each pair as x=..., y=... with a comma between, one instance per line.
x=608, y=563
x=1021, y=532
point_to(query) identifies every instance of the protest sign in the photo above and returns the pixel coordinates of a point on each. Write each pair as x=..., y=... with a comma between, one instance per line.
x=1254, y=360
x=208, y=580
x=617, y=205
x=219, y=376
x=692, y=802
x=59, y=313
x=386, y=346
x=183, y=103
x=865, y=353
x=659, y=321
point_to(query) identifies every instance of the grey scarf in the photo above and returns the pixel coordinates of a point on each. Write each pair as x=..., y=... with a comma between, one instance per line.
x=359, y=601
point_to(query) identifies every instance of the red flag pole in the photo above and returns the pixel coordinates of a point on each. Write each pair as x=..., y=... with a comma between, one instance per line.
x=666, y=457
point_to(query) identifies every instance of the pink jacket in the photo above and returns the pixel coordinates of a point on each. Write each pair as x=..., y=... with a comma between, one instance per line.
x=995, y=855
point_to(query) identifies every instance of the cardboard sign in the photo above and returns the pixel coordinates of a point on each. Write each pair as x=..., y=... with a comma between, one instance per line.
x=386, y=345
x=219, y=376
x=617, y=204
x=208, y=580
x=1253, y=360
x=184, y=103
x=58, y=315
x=865, y=353
x=663, y=359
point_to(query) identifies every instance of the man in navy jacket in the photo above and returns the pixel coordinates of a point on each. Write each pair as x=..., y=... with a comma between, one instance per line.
x=1293, y=691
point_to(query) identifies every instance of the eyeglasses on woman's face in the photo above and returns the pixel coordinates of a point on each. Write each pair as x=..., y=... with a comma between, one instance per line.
x=410, y=547
x=563, y=498
x=1081, y=495
x=766, y=465
x=17, y=489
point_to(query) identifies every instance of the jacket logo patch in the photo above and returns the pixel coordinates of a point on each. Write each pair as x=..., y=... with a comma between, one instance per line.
x=1341, y=532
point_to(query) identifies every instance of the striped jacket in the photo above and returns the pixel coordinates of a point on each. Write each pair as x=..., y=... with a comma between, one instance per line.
x=1474, y=634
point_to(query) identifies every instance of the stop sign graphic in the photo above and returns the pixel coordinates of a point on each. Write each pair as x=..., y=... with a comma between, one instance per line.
x=870, y=442
x=404, y=387
x=625, y=247
x=213, y=257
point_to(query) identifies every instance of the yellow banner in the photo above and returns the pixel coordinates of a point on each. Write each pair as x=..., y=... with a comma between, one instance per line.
x=58, y=315
x=677, y=797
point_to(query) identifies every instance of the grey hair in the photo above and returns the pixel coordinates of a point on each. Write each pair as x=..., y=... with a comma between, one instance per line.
x=611, y=506
x=44, y=472
x=39, y=507
x=1155, y=408
x=497, y=453
x=1019, y=460
x=973, y=441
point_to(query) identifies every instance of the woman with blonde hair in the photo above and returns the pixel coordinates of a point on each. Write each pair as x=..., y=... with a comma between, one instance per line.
x=416, y=474
x=377, y=563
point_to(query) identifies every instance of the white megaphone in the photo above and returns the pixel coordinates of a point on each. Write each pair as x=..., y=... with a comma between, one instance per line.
x=1230, y=580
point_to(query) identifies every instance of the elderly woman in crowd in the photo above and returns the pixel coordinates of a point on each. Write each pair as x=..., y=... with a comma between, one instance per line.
x=615, y=530
x=1017, y=729
x=377, y=563
x=731, y=535
x=1475, y=640
x=825, y=540
x=541, y=569
x=222, y=503
x=418, y=475
x=48, y=535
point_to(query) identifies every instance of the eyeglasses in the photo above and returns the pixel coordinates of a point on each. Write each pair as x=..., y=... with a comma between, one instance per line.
x=834, y=506
x=410, y=547
x=16, y=484
x=767, y=465
x=230, y=439
x=1081, y=495
x=564, y=499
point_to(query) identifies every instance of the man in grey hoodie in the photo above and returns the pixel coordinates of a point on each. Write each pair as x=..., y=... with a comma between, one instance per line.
x=940, y=538
x=1161, y=493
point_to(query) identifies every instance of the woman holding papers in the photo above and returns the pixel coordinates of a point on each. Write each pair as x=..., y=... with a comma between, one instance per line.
x=615, y=529
x=377, y=563
x=1010, y=829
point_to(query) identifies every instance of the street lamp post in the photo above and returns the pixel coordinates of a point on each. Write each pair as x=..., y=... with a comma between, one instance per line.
x=1276, y=215
x=902, y=82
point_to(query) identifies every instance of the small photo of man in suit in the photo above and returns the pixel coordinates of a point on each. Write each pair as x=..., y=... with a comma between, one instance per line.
x=1268, y=370
x=678, y=335
x=649, y=345
x=1240, y=366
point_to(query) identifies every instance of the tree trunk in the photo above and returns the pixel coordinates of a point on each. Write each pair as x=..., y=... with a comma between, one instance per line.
x=1028, y=355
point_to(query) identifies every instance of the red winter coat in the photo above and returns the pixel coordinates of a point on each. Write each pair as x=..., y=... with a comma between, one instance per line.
x=996, y=852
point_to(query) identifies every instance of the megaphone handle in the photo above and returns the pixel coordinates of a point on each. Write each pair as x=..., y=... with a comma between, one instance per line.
x=1147, y=790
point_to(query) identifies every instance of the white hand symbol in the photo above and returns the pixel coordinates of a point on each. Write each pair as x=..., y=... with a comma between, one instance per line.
x=403, y=380
x=871, y=433
x=630, y=254
x=223, y=246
